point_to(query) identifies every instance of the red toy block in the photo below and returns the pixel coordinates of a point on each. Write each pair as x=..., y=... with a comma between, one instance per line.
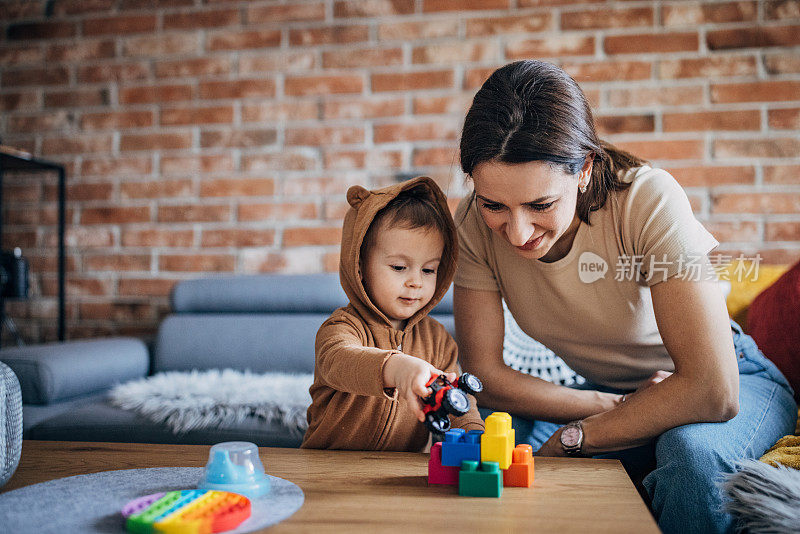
x=520, y=472
x=438, y=473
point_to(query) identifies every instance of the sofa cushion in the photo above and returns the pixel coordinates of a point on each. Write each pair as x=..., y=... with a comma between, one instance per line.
x=774, y=322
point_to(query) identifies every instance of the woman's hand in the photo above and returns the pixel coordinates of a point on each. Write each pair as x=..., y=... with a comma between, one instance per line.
x=552, y=447
x=409, y=375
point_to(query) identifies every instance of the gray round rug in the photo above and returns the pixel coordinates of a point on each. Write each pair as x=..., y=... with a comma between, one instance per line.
x=93, y=503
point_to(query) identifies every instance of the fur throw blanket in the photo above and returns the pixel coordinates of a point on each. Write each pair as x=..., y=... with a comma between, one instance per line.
x=202, y=399
x=764, y=499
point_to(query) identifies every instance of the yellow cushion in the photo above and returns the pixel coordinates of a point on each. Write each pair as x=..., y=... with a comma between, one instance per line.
x=747, y=281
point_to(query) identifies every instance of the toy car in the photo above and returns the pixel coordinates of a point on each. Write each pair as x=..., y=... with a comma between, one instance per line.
x=448, y=398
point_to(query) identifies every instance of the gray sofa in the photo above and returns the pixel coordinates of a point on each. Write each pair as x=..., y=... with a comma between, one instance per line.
x=261, y=323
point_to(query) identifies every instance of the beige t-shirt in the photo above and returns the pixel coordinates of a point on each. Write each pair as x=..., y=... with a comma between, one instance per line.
x=593, y=307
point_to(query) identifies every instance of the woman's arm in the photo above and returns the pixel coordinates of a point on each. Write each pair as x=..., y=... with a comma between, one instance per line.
x=479, y=331
x=694, y=325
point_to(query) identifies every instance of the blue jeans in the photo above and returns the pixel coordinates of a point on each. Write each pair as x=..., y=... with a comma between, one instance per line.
x=682, y=467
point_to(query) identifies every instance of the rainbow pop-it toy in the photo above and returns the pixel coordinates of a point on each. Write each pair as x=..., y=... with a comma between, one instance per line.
x=186, y=512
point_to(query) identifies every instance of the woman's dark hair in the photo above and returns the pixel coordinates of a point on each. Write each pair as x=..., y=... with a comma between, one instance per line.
x=534, y=111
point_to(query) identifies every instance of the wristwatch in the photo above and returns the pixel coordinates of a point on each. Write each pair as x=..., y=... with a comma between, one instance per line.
x=572, y=438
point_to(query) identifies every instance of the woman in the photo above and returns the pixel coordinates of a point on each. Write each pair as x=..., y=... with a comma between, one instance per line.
x=599, y=257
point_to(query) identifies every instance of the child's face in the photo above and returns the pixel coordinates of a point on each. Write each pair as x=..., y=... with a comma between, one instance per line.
x=400, y=268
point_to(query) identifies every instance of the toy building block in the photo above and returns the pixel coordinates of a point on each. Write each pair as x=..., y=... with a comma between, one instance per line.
x=497, y=441
x=459, y=445
x=520, y=472
x=483, y=481
x=437, y=473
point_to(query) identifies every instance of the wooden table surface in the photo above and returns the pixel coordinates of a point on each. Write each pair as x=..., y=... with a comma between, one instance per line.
x=384, y=491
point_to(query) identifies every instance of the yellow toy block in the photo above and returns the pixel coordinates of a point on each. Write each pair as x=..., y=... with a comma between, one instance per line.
x=497, y=442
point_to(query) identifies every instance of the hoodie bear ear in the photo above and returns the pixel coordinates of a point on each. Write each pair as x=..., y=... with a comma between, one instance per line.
x=356, y=195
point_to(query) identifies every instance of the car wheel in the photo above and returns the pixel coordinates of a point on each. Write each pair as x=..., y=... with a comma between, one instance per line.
x=470, y=383
x=436, y=424
x=455, y=402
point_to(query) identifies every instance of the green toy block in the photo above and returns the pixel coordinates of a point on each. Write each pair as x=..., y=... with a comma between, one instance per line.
x=480, y=480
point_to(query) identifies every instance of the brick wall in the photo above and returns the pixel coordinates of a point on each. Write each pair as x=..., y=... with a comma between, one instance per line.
x=220, y=136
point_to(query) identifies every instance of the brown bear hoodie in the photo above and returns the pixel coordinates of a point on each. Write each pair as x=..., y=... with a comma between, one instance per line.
x=350, y=408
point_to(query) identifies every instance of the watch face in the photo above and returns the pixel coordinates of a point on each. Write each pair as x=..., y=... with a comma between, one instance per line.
x=570, y=436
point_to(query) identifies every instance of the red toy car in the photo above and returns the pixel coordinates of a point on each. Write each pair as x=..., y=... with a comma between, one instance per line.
x=448, y=398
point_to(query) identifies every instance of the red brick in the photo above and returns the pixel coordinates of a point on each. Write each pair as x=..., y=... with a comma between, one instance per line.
x=18, y=101
x=602, y=71
x=156, y=237
x=328, y=35
x=209, y=163
x=782, y=231
x=84, y=192
x=759, y=37
x=303, y=236
x=779, y=256
x=738, y=231
x=115, y=215
x=20, y=9
x=700, y=121
x=244, y=39
x=558, y=45
x=279, y=161
x=121, y=25
x=58, y=120
x=782, y=9
x=323, y=85
x=21, y=55
x=80, y=287
x=194, y=213
x=368, y=57
x=713, y=176
x=363, y=108
x=197, y=67
x=474, y=78
x=782, y=174
x=427, y=157
x=153, y=94
x=238, y=138
x=614, y=124
x=407, y=31
x=764, y=91
x=116, y=311
x=80, y=236
x=196, y=262
x=280, y=111
x=22, y=193
x=278, y=61
x=149, y=4
x=360, y=159
x=708, y=67
x=285, y=13
x=79, y=7
x=415, y=131
x=529, y=23
x=651, y=43
x=456, y=52
x=193, y=20
x=655, y=96
x=238, y=237
x=331, y=262
x=162, y=45
x=116, y=72
x=116, y=166
x=238, y=89
x=784, y=119
x=335, y=211
x=84, y=50
x=155, y=141
x=196, y=115
x=241, y=187
x=156, y=189
x=24, y=240
x=665, y=149
x=607, y=18
x=372, y=8
x=116, y=120
x=463, y=5
x=151, y=287
x=756, y=203
x=324, y=135
x=26, y=31
x=782, y=63
x=410, y=81
x=278, y=212
x=691, y=14
x=77, y=144
x=74, y=99
x=778, y=147
x=439, y=105
x=327, y=185
x=40, y=76
x=541, y=3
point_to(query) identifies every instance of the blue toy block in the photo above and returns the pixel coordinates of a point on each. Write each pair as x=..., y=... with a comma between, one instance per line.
x=483, y=481
x=459, y=445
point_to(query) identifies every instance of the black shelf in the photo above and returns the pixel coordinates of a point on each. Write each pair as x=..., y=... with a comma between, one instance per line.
x=12, y=159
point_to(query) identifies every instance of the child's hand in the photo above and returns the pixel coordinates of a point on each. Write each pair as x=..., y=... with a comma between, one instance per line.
x=409, y=375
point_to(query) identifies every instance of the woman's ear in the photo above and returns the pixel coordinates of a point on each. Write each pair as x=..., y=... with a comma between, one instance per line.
x=586, y=171
x=356, y=195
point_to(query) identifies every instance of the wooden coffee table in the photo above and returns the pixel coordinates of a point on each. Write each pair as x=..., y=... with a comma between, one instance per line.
x=384, y=491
